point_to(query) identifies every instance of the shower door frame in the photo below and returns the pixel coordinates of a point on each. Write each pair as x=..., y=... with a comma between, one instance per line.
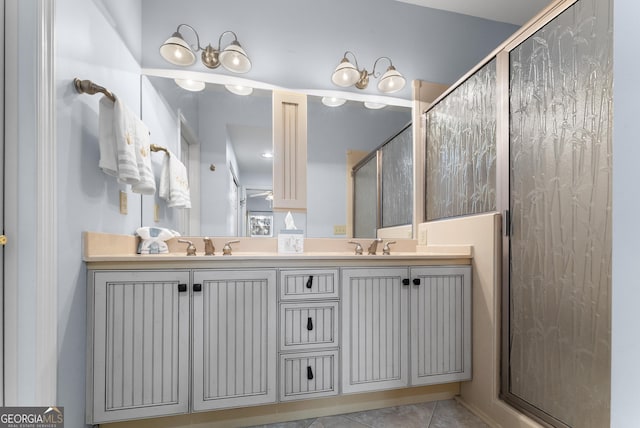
x=503, y=166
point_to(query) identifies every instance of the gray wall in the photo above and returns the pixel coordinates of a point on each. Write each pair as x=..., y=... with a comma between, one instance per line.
x=88, y=46
x=625, y=352
x=296, y=44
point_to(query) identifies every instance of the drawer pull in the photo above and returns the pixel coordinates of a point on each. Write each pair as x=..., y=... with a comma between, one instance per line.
x=197, y=287
x=309, y=324
x=310, y=281
x=309, y=373
x=182, y=288
x=405, y=281
x=416, y=281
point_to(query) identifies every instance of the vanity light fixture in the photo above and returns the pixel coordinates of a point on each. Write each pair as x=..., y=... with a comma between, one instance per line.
x=190, y=85
x=346, y=74
x=239, y=89
x=177, y=51
x=333, y=101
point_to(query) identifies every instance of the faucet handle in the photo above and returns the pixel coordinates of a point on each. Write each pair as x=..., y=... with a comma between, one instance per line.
x=386, y=250
x=209, y=249
x=191, y=249
x=358, y=247
x=226, y=250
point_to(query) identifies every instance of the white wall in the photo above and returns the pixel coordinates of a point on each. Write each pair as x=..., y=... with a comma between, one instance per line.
x=89, y=47
x=625, y=352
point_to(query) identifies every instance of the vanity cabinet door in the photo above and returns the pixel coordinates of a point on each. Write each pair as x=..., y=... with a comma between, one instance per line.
x=137, y=345
x=374, y=329
x=440, y=324
x=234, y=338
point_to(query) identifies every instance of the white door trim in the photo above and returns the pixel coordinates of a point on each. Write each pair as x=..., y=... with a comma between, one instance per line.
x=45, y=257
x=46, y=210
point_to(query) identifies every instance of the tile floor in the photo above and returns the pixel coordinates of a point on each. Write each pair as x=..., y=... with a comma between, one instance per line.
x=437, y=414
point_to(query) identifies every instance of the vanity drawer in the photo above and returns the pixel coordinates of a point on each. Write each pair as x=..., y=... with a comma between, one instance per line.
x=298, y=284
x=308, y=325
x=308, y=375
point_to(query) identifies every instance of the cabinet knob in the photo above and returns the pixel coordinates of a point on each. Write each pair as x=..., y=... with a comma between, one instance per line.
x=416, y=281
x=182, y=288
x=405, y=281
x=197, y=287
x=309, y=324
x=310, y=281
x=309, y=373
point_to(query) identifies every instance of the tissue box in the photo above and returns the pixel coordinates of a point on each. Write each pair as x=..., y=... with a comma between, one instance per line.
x=291, y=241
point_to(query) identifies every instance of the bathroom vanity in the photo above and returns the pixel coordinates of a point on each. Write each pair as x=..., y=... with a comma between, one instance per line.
x=174, y=334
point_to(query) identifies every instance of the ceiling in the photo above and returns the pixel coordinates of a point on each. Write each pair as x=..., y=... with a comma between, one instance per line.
x=515, y=12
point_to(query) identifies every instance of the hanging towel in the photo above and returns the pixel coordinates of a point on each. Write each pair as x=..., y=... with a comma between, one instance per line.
x=174, y=184
x=106, y=139
x=147, y=183
x=125, y=123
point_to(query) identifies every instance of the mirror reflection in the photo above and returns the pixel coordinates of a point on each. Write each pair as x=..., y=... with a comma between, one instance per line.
x=231, y=138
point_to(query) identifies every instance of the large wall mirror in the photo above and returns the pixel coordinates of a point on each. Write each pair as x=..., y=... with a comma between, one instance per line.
x=231, y=133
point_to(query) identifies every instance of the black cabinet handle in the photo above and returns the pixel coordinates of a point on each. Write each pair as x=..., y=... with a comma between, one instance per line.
x=405, y=281
x=309, y=324
x=197, y=287
x=309, y=373
x=416, y=281
x=182, y=288
x=310, y=281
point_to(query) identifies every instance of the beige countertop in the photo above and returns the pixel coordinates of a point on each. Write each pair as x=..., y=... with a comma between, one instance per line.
x=107, y=250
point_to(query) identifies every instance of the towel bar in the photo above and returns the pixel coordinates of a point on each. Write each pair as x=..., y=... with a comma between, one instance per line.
x=88, y=87
x=157, y=148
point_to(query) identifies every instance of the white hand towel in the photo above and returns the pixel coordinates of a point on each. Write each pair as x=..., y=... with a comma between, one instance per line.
x=152, y=239
x=174, y=183
x=125, y=123
x=147, y=183
x=108, y=158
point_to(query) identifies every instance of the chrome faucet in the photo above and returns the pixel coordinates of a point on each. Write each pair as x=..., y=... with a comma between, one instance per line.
x=386, y=250
x=191, y=249
x=226, y=250
x=209, y=249
x=373, y=247
x=358, y=247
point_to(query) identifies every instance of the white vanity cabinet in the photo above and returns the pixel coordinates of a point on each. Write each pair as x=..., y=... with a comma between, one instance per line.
x=138, y=345
x=309, y=318
x=177, y=335
x=234, y=340
x=397, y=321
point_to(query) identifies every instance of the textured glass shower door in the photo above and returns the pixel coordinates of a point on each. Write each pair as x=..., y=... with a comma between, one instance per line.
x=560, y=204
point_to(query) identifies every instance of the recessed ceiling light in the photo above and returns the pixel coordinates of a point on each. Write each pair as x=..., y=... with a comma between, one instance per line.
x=333, y=101
x=190, y=85
x=374, y=106
x=267, y=155
x=239, y=89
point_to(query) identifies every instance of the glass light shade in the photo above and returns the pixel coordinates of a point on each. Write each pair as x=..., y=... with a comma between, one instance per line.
x=190, y=85
x=235, y=59
x=391, y=81
x=374, y=106
x=239, y=89
x=345, y=74
x=177, y=51
x=333, y=101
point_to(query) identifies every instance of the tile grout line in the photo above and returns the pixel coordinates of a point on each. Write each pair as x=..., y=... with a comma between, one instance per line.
x=435, y=408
